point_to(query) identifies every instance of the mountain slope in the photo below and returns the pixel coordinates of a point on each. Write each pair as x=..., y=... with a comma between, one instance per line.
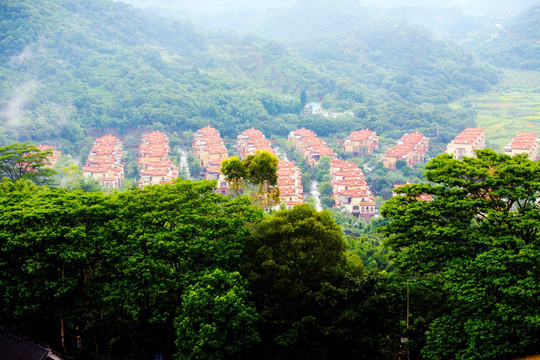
x=73, y=68
x=517, y=45
x=70, y=65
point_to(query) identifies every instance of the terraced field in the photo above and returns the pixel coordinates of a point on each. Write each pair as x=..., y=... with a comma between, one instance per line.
x=512, y=107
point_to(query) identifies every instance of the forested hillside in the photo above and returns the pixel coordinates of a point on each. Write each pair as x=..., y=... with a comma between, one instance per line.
x=516, y=44
x=69, y=67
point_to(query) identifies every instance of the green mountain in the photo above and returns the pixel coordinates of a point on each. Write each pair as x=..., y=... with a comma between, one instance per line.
x=517, y=44
x=73, y=68
x=68, y=66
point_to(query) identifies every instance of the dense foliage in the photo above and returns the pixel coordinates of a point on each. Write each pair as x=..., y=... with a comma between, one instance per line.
x=74, y=68
x=477, y=245
x=25, y=162
x=179, y=269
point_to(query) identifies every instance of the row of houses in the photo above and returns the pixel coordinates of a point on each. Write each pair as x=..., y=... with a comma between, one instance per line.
x=411, y=148
x=349, y=186
x=471, y=139
x=103, y=162
x=289, y=175
x=209, y=148
x=351, y=189
x=311, y=147
x=153, y=162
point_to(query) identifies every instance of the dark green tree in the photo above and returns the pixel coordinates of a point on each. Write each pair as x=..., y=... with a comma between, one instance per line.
x=478, y=243
x=25, y=161
x=216, y=319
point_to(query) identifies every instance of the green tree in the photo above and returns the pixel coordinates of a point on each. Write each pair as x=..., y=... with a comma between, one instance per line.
x=216, y=318
x=293, y=256
x=325, y=188
x=25, y=161
x=478, y=243
x=234, y=171
x=256, y=173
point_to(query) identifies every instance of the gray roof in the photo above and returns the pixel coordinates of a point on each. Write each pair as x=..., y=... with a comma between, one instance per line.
x=15, y=347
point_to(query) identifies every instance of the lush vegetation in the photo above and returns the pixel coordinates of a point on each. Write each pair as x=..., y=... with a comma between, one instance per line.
x=516, y=44
x=181, y=270
x=137, y=272
x=477, y=245
x=75, y=68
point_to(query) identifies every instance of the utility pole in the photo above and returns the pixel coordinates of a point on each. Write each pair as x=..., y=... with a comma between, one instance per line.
x=407, y=304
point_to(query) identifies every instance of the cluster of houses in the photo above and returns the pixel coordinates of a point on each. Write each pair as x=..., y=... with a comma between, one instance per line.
x=209, y=148
x=311, y=147
x=290, y=185
x=411, y=148
x=155, y=167
x=351, y=189
x=103, y=163
x=349, y=186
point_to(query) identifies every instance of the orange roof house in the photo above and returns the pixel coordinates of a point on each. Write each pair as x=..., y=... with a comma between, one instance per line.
x=361, y=142
x=466, y=142
x=524, y=143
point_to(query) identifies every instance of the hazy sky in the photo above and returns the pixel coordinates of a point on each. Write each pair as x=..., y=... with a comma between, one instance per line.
x=479, y=7
x=482, y=8
x=212, y=6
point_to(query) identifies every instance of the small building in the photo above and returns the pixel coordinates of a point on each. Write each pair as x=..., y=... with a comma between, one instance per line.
x=361, y=142
x=466, y=142
x=312, y=108
x=17, y=347
x=524, y=143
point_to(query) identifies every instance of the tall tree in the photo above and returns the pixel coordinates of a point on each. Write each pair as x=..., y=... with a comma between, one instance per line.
x=479, y=243
x=256, y=173
x=217, y=319
x=25, y=161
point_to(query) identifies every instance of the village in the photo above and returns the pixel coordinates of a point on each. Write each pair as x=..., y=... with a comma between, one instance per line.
x=350, y=190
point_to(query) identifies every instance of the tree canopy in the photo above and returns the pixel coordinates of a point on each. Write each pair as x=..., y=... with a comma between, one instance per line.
x=479, y=243
x=26, y=162
x=256, y=174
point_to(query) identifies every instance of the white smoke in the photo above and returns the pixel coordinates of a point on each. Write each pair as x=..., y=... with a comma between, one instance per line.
x=21, y=59
x=13, y=113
